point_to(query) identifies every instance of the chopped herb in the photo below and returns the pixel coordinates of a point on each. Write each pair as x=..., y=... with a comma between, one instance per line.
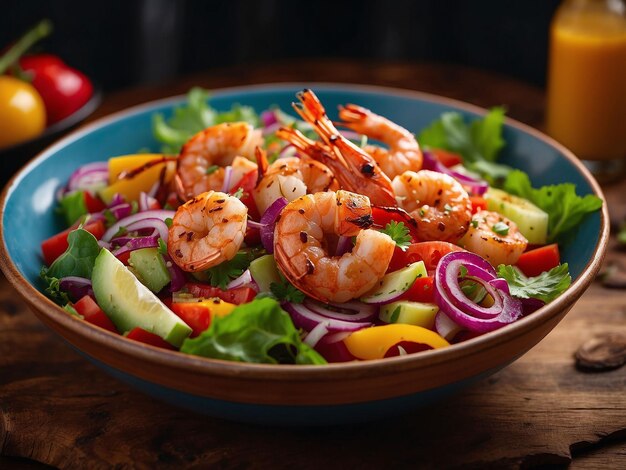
x=134, y=207
x=547, y=286
x=462, y=272
x=109, y=217
x=285, y=291
x=223, y=273
x=399, y=233
x=168, y=221
x=162, y=247
x=212, y=169
x=501, y=228
x=474, y=223
x=238, y=194
x=395, y=315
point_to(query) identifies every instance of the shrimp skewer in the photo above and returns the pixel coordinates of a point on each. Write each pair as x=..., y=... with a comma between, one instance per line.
x=356, y=170
x=404, y=152
x=202, y=158
x=206, y=231
x=438, y=202
x=495, y=238
x=301, y=248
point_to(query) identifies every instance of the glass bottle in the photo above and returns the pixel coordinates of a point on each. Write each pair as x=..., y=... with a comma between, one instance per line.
x=586, y=108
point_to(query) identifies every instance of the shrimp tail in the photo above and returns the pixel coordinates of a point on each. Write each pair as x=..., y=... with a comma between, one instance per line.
x=262, y=162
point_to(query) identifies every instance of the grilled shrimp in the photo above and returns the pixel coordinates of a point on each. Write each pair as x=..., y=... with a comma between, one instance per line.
x=354, y=168
x=301, y=247
x=403, y=153
x=290, y=178
x=202, y=158
x=495, y=238
x=437, y=201
x=206, y=231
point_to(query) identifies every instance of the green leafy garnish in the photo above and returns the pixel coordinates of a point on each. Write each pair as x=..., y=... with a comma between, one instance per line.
x=474, y=223
x=109, y=217
x=547, y=286
x=286, y=292
x=259, y=331
x=565, y=208
x=478, y=142
x=73, y=207
x=69, y=308
x=162, y=248
x=238, y=194
x=168, y=221
x=78, y=260
x=223, y=273
x=462, y=272
x=500, y=228
x=212, y=169
x=399, y=233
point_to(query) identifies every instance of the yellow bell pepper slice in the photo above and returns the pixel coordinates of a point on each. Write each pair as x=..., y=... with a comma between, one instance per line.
x=142, y=180
x=374, y=342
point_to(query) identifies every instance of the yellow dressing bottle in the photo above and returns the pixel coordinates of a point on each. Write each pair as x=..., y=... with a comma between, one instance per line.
x=586, y=109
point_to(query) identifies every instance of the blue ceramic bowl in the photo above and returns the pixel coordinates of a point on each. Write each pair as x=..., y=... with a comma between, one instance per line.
x=336, y=393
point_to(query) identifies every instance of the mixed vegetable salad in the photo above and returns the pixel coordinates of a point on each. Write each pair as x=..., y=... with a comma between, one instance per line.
x=129, y=260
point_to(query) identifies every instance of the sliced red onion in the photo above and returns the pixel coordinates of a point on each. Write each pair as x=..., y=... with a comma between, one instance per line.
x=287, y=151
x=354, y=311
x=177, y=275
x=149, y=223
x=255, y=225
x=245, y=280
x=154, y=189
x=160, y=214
x=136, y=244
x=104, y=244
x=336, y=337
x=531, y=305
x=307, y=319
x=269, y=118
x=145, y=201
x=268, y=220
x=271, y=129
x=89, y=176
x=228, y=175
x=120, y=211
x=344, y=245
x=446, y=328
x=316, y=334
x=76, y=287
x=116, y=200
x=467, y=314
x=501, y=284
x=476, y=186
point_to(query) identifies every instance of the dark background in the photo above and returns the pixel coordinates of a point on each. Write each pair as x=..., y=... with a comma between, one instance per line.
x=125, y=43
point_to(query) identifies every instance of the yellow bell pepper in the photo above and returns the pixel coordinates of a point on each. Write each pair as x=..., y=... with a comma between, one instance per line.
x=374, y=342
x=22, y=111
x=144, y=170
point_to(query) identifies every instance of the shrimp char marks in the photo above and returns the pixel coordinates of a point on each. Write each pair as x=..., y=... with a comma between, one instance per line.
x=307, y=227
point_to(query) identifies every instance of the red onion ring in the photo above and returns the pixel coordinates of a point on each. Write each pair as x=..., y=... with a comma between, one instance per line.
x=245, y=280
x=446, y=328
x=316, y=334
x=354, y=311
x=307, y=319
x=476, y=186
x=86, y=176
x=76, y=287
x=228, y=175
x=268, y=222
x=177, y=275
x=160, y=214
x=344, y=245
x=136, y=244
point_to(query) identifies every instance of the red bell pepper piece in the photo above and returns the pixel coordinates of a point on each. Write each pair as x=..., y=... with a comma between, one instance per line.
x=56, y=245
x=198, y=317
x=383, y=215
x=247, y=184
x=479, y=203
x=422, y=290
x=534, y=262
x=92, y=203
x=429, y=252
x=143, y=336
x=93, y=314
x=237, y=296
x=446, y=157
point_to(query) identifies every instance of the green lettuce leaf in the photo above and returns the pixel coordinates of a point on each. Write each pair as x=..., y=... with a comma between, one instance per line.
x=565, y=208
x=547, y=286
x=73, y=207
x=259, y=331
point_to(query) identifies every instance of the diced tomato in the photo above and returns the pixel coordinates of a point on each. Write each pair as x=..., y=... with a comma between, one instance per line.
x=422, y=290
x=93, y=203
x=447, y=157
x=56, y=245
x=247, y=184
x=429, y=252
x=479, y=203
x=409, y=347
x=198, y=317
x=143, y=336
x=124, y=257
x=383, y=215
x=534, y=262
x=237, y=296
x=92, y=313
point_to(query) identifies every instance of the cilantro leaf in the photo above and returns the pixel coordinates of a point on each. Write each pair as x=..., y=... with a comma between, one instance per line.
x=285, y=291
x=399, y=233
x=223, y=273
x=478, y=142
x=258, y=331
x=547, y=286
x=238, y=194
x=565, y=208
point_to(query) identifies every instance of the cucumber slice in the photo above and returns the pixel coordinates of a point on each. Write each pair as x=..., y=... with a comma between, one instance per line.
x=264, y=271
x=129, y=304
x=531, y=221
x=413, y=313
x=150, y=268
x=394, y=284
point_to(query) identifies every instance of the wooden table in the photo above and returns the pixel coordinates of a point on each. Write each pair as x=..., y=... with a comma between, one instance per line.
x=58, y=409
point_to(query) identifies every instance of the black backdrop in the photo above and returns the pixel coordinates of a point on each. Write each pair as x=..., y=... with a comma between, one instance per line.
x=123, y=43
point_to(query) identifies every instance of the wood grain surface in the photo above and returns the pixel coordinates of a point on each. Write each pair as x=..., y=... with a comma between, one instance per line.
x=59, y=410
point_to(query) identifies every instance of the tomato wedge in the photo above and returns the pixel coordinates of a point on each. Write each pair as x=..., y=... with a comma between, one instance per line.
x=197, y=316
x=534, y=262
x=237, y=296
x=446, y=157
x=143, y=336
x=479, y=203
x=422, y=290
x=93, y=314
x=247, y=184
x=428, y=252
x=56, y=245
x=383, y=215
x=93, y=203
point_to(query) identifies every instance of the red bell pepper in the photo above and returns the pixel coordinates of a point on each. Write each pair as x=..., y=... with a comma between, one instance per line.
x=446, y=157
x=534, y=262
x=422, y=290
x=143, y=336
x=197, y=316
x=479, y=203
x=237, y=296
x=56, y=245
x=429, y=252
x=89, y=309
x=94, y=204
x=383, y=215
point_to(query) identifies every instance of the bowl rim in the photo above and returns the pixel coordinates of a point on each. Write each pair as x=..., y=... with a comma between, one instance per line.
x=217, y=367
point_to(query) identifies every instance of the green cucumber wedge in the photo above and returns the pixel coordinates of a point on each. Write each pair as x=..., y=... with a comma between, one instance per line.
x=129, y=304
x=394, y=284
x=531, y=221
x=412, y=313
